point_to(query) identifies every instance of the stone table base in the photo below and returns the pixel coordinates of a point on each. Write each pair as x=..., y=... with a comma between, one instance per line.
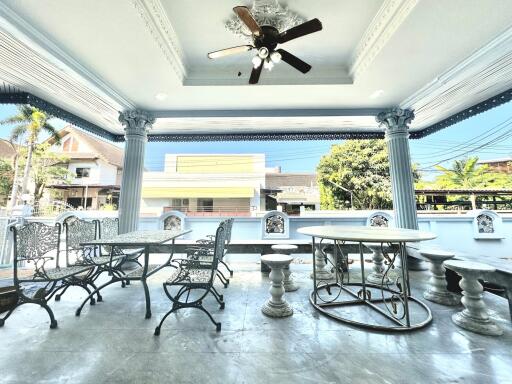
x=437, y=291
x=277, y=306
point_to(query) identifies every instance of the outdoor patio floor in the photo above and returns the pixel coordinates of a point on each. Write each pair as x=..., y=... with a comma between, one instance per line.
x=112, y=342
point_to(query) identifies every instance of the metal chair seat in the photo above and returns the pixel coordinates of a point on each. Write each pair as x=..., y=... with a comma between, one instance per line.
x=190, y=276
x=61, y=273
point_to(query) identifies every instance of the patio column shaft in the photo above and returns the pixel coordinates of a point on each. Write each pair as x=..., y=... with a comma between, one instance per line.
x=397, y=137
x=136, y=124
x=396, y=122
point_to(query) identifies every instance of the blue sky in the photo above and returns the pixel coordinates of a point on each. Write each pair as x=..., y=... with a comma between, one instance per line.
x=489, y=130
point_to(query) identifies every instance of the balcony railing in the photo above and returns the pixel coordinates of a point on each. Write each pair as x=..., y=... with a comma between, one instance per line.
x=211, y=211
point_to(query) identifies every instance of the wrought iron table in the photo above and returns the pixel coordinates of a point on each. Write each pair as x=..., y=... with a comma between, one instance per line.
x=391, y=298
x=144, y=241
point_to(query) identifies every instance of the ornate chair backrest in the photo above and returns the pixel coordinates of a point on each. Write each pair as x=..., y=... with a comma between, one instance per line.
x=229, y=226
x=218, y=250
x=78, y=231
x=33, y=242
x=109, y=227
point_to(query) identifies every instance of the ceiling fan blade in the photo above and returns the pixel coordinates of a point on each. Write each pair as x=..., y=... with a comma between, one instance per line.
x=245, y=15
x=229, y=51
x=303, y=29
x=294, y=61
x=255, y=74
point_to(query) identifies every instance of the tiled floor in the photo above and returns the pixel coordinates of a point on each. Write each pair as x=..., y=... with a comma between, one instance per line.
x=112, y=342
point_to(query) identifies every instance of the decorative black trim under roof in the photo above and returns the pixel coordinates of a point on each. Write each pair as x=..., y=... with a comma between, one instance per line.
x=27, y=98
x=288, y=136
x=483, y=106
x=51, y=109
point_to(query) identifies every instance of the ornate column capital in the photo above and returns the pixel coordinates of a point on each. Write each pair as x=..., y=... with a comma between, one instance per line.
x=136, y=121
x=396, y=120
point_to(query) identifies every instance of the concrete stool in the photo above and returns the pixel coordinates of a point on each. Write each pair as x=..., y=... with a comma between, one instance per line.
x=277, y=306
x=437, y=291
x=377, y=275
x=474, y=318
x=287, y=249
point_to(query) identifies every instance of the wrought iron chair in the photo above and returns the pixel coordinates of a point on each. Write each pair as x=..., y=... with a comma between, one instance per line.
x=38, y=243
x=108, y=228
x=204, y=249
x=192, y=275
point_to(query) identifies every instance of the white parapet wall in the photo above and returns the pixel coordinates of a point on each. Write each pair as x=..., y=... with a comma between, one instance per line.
x=475, y=232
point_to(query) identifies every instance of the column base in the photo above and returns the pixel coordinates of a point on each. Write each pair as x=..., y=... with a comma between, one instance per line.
x=443, y=298
x=323, y=275
x=290, y=286
x=277, y=310
x=376, y=278
x=473, y=324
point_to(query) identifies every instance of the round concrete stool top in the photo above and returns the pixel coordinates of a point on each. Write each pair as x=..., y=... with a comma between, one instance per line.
x=284, y=247
x=436, y=254
x=461, y=265
x=276, y=260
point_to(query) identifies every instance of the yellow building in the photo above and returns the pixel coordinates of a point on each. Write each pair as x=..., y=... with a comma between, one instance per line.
x=200, y=184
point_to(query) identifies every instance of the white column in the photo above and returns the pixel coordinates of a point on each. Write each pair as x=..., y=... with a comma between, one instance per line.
x=396, y=122
x=397, y=137
x=136, y=124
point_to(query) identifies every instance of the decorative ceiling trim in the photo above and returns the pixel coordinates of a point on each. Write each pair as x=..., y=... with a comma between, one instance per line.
x=50, y=52
x=211, y=113
x=289, y=136
x=265, y=12
x=159, y=26
x=385, y=23
x=55, y=111
x=474, y=110
x=485, y=73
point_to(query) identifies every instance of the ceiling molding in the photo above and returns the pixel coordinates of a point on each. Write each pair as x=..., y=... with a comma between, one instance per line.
x=20, y=29
x=482, y=75
x=159, y=26
x=385, y=23
x=210, y=113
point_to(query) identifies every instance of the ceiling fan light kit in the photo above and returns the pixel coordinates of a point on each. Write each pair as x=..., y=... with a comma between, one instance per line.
x=265, y=39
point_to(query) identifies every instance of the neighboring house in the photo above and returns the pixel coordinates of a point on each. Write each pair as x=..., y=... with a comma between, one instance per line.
x=205, y=184
x=97, y=166
x=503, y=165
x=291, y=191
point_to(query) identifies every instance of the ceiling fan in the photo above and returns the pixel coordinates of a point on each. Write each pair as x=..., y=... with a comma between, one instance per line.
x=265, y=41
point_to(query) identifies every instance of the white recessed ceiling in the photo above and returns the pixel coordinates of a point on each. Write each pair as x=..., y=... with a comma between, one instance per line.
x=95, y=58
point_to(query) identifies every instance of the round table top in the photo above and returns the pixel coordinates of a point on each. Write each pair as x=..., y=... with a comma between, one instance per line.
x=276, y=259
x=368, y=234
x=284, y=247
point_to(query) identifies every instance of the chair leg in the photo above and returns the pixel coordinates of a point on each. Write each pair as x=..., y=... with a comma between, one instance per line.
x=53, y=322
x=223, y=279
x=58, y=296
x=227, y=267
x=217, y=325
x=157, y=329
x=98, y=295
x=221, y=297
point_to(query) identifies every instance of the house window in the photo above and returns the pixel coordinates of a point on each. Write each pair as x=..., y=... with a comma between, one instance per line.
x=82, y=172
x=205, y=205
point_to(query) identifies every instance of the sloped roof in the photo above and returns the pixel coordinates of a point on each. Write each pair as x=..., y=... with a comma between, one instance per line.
x=7, y=150
x=103, y=149
x=276, y=180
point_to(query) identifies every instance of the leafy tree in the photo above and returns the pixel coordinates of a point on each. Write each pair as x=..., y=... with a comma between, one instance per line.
x=6, y=177
x=468, y=174
x=47, y=169
x=29, y=123
x=360, y=167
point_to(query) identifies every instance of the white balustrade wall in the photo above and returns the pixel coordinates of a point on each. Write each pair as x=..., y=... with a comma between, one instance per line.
x=455, y=231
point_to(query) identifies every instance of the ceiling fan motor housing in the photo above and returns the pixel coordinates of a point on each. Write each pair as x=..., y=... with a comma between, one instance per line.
x=268, y=39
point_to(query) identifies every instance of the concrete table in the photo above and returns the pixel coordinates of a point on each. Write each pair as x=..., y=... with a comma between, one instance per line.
x=390, y=301
x=287, y=249
x=437, y=291
x=277, y=306
x=474, y=317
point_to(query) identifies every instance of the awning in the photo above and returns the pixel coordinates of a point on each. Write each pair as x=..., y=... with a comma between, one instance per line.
x=194, y=192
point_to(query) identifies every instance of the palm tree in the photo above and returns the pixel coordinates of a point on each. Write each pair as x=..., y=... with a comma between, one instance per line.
x=30, y=122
